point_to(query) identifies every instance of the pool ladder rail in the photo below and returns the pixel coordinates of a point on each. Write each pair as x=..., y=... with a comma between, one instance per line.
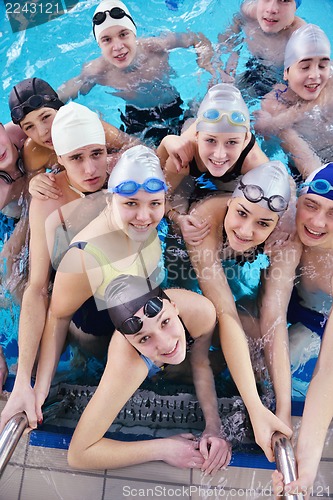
x=285, y=461
x=10, y=436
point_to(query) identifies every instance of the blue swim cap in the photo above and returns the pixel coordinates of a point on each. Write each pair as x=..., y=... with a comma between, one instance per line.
x=320, y=182
x=298, y=3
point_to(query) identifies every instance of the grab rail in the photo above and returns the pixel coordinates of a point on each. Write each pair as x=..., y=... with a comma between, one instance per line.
x=10, y=436
x=285, y=461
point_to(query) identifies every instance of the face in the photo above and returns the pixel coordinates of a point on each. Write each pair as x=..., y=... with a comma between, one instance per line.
x=248, y=224
x=86, y=167
x=162, y=338
x=219, y=152
x=314, y=221
x=118, y=46
x=308, y=77
x=37, y=126
x=138, y=215
x=275, y=15
x=8, y=152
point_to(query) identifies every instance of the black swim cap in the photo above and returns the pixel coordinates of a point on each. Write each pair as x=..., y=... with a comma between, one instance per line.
x=29, y=95
x=126, y=294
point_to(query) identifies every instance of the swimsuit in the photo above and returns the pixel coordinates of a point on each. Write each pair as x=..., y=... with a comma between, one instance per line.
x=259, y=77
x=92, y=317
x=153, y=123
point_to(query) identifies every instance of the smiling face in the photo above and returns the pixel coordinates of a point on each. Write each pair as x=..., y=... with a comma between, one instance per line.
x=118, y=46
x=308, y=77
x=219, y=152
x=138, y=215
x=162, y=338
x=86, y=167
x=275, y=15
x=314, y=221
x=37, y=126
x=248, y=224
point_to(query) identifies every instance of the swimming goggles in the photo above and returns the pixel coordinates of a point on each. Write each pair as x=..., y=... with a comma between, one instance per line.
x=115, y=13
x=254, y=194
x=319, y=186
x=34, y=102
x=129, y=188
x=234, y=117
x=7, y=178
x=134, y=324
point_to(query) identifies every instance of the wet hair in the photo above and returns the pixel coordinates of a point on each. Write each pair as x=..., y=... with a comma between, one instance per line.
x=21, y=100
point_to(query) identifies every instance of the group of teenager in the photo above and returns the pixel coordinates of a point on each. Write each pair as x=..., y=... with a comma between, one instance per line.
x=258, y=238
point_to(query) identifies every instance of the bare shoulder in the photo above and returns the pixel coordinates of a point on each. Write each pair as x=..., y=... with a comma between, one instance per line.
x=153, y=44
x=196, y=311
x=95, y=67
x=271, y=102
x=249, y=9
x=213, y=208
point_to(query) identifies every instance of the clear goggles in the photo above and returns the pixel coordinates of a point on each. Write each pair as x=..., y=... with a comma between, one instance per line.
x=134, y=324
x=234, y=117
x=254, y=194
x=129, y=188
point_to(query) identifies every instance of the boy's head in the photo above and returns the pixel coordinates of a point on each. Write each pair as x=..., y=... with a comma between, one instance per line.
x=307, y=61
x=314, y=216
x=79, y=141
x=111, y=13
x=29, y=95
x=306, y=42
x=275, y=16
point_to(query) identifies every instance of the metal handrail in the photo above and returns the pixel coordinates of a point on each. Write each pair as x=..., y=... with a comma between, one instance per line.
x=285, y=461
x=10, y=436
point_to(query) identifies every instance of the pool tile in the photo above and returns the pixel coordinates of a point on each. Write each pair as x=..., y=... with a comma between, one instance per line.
x=10, y=482
x=53, y=485
x=154, y=471
x=122, y=489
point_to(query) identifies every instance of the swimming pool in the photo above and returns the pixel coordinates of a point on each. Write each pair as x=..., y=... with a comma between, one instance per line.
x=56, y=50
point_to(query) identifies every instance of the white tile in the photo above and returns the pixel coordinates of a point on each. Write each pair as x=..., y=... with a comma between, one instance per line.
x=10, y=482
x=52, y=485
x=154, y=471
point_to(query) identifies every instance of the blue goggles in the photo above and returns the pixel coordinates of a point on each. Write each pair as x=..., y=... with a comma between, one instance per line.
x=319, y=186
x=129, y=188
x=254, y=194
x=234, y=117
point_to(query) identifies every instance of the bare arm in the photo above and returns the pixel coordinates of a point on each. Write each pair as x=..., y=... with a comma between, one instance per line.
x=277, y=285
x=81, y=84
x=33, y=315
x=70, y=291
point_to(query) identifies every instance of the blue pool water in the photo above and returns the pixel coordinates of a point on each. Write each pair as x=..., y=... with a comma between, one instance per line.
x=55, y=51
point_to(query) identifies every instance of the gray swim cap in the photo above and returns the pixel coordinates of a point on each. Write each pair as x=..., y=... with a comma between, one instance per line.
x=223, y=109
x=125, y=296
x=138, y=164
x=267, y=186
x=76, y=126
x=307, y=41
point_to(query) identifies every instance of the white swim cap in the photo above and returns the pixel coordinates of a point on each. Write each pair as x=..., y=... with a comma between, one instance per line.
x=112, y=13
x=307, y=41
x=223, y=109
x=267, y=186
x=76, y=126
x=137, y=165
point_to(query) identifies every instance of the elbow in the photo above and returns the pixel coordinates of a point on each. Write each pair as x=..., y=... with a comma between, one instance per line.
x=75, y=457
